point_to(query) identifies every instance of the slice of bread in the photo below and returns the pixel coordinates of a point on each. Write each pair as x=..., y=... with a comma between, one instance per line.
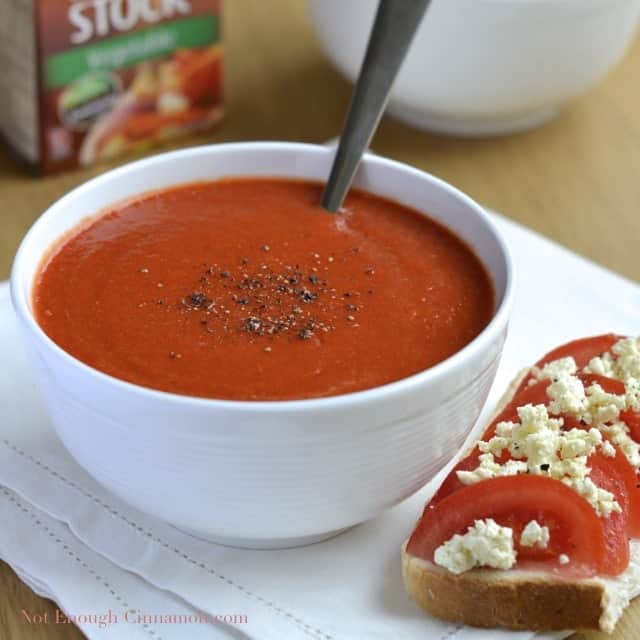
x=521, y=600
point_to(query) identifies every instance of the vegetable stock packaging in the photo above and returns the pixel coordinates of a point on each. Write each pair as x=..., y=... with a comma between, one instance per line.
x=89, y=80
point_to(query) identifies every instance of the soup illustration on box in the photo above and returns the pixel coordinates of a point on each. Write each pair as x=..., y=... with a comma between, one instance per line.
x=114, y=77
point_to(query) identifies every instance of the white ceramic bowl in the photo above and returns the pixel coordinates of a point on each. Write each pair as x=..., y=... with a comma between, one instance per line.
x=264, y=474
x=480, y=67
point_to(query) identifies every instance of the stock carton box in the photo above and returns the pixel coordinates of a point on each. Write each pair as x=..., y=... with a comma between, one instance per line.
x=88, y=80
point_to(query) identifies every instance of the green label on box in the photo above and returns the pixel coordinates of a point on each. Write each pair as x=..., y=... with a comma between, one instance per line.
x=123, y=51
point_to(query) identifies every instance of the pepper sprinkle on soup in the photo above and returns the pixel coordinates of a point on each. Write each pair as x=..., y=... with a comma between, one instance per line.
x=246, y=289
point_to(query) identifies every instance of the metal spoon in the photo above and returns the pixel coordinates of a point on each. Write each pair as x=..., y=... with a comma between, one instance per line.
x=395, y=25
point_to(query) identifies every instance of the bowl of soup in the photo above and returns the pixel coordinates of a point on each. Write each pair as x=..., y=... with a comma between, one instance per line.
x=487, y=67
x=223, y=354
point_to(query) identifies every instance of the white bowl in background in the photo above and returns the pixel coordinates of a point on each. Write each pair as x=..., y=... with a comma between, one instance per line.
x=264, y=474
x=482, y=67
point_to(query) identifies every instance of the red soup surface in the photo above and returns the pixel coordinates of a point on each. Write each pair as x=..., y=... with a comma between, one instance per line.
x=246, y=289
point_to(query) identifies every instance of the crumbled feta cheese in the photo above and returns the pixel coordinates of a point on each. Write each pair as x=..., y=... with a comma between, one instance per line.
x=495, y=446
x=489, y=468
x=593, y=405
x=534, y=534
x=624, y=367
x=567, y=395
x=485, y=544
x=539, y=446
x=535, y=437
x=632, y=387
x=575, y=468
x=627, y=363
x=578, y=442
x=601, y=500
x=555, y=369
x=601, y=406
x=563, y=558
x=602, y=366
x=618, y=433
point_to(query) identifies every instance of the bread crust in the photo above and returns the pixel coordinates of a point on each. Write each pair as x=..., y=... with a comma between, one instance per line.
x=510, y=599
x=482, y=598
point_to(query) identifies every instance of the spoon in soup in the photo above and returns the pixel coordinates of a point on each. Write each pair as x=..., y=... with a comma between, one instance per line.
x=395, y=25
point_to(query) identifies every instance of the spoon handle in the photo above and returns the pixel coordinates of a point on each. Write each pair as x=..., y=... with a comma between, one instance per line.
x=395, y=25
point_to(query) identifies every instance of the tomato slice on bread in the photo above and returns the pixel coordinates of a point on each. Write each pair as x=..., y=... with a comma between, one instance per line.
x=581, y=350
x=608, y=474
x=456, y=506
x=615, y=474
x=575, y=529
x=612, y=473
x=632, y=420
x=451, y=482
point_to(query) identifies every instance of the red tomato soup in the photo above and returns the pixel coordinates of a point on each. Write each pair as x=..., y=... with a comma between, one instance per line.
x=246, y=289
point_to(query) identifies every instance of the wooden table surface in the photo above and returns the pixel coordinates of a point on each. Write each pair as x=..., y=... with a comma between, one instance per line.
x=576, y=180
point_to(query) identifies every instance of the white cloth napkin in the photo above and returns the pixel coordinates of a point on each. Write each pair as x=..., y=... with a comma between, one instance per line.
x=70, y=540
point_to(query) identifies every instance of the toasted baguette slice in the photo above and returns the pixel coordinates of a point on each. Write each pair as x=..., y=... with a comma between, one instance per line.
x=521, y=600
